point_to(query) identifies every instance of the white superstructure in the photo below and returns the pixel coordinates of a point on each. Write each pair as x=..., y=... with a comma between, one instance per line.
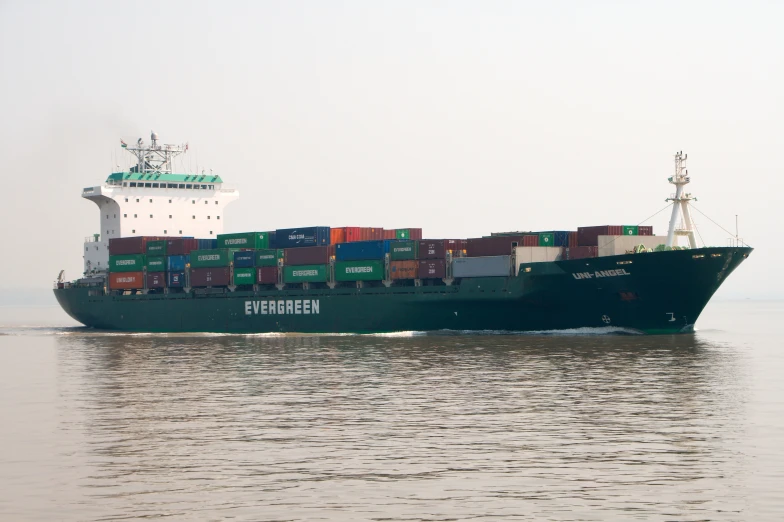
x=680, y=204
x=152, y=201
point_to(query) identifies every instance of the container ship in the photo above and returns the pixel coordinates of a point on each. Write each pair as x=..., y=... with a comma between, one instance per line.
x=162, y=263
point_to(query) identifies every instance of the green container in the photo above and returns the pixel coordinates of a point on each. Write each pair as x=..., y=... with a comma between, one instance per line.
x=403, y=250
x=305, y=274
x=402, y=233
x=156, y=248
x=244, y=276
x=156, y=264
x=244, y=240
x=267, y=257
x=372, y=270
x=212, y=258
x=127, y=263
x=630, y=230
x=547, y=239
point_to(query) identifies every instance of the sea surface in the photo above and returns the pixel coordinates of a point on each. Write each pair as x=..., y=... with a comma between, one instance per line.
x=582, y=425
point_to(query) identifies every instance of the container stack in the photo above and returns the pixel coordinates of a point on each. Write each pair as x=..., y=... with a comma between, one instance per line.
x=361, y=260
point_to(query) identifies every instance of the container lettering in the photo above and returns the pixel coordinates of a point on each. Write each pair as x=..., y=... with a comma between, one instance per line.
x=283, y=307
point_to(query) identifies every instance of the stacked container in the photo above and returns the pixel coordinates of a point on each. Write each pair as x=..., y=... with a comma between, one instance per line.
x=302, y=237
x=361, y=260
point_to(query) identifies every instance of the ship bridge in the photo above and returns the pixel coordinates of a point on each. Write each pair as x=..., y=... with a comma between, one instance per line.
x=150, y=200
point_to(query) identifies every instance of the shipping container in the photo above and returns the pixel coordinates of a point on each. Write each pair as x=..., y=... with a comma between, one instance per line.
x=337, y=235
x=490, y=266
x=206, y=244
x=618, y=245
x=370, y=233
x=402, y=250
x=213, y=276
x=305, y=274
x=126, y=280
x=645, y=230
x=181, y=246
x=404, y=269
x=415, y=233
x=389, y=234
x=559, y=238
x=267, y=257
x=538, y=254
x=308, y=255
x=156, y=279
x=177, y=263
x=364, y=270
x=244, y=259
x=273, y=241
x=362, y=250
x=630, y=230
x=244, y=240
x=581, y=252
x=573, y=239
x=212, y=258
x=244, y=276
x=432, y=249
x=155, y=264
x=402, y=233
x=432, y=269
x=301, y=237
x=495, y=246
x=157, y=247
x=352, y=234
x=267, y=275
x=175, y=279
x=588, y=236
x=119, y=246
x=127, y=263
x=531, y=240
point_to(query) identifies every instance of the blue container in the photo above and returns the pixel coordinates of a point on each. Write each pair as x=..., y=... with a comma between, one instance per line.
x=244, y=259
x=177, y=263
x=175, y=279
x=301, y=237
x=272, y=242
x=359, y=250
x=207, y=244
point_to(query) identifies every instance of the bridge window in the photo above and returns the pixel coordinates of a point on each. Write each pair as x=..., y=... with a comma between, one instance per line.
x=194, y=201
x=170, y=216
x=218, y=217
x=125, y=215
x=208, y=217
x=216, y=202
x=137, y=200
x=204, y=187
x=133, y=184
x=133, y=231
x=126, y=200
x=148, y=185
x=134, y=215
x=151, y=215
x=206, y=202
x=181, y=185
x=154, y=185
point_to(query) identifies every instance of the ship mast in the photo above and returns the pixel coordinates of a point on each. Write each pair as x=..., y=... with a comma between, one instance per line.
x=680, y=203
x=154, y=159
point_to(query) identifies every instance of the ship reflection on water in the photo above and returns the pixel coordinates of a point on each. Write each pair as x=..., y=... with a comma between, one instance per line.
x=388, y=425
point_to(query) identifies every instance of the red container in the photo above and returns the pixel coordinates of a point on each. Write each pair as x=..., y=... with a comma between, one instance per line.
x=181, y=246
x=403, y=269
x=589, y=236
x=581, y=252
x=203, y=277
x=573, y=239
x=432, y=269
x=530, y=241
x=645, y=230
x=156, y=279
x=371, y=233
x=318, y=255
x=126, y=280
x=415, y=233
x=267, y=275
x=493, y=246
x=129, y=245
x=351, y=234
x=432, y=249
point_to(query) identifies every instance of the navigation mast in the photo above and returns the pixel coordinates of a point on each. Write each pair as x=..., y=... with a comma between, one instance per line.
x=154, y=159
x=681, y=203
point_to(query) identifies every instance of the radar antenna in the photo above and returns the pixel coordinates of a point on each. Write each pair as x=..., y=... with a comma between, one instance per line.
x=681, y=204
x=155, y=158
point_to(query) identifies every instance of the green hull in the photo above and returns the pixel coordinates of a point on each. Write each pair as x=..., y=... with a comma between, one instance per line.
x=660, y=292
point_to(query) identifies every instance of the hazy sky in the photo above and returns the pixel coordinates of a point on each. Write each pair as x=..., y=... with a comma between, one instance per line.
x=458, y=117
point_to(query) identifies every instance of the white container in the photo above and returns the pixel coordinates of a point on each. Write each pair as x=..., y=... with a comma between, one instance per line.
x=619, y=245
x=487, y=266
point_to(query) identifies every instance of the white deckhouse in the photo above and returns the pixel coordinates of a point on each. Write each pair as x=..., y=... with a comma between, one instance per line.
x=152, y=201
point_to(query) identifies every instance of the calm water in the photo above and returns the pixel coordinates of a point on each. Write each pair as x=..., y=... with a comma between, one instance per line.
x=407, y=427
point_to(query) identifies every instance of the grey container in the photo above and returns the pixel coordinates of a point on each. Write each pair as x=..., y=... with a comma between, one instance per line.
x=488, y=266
